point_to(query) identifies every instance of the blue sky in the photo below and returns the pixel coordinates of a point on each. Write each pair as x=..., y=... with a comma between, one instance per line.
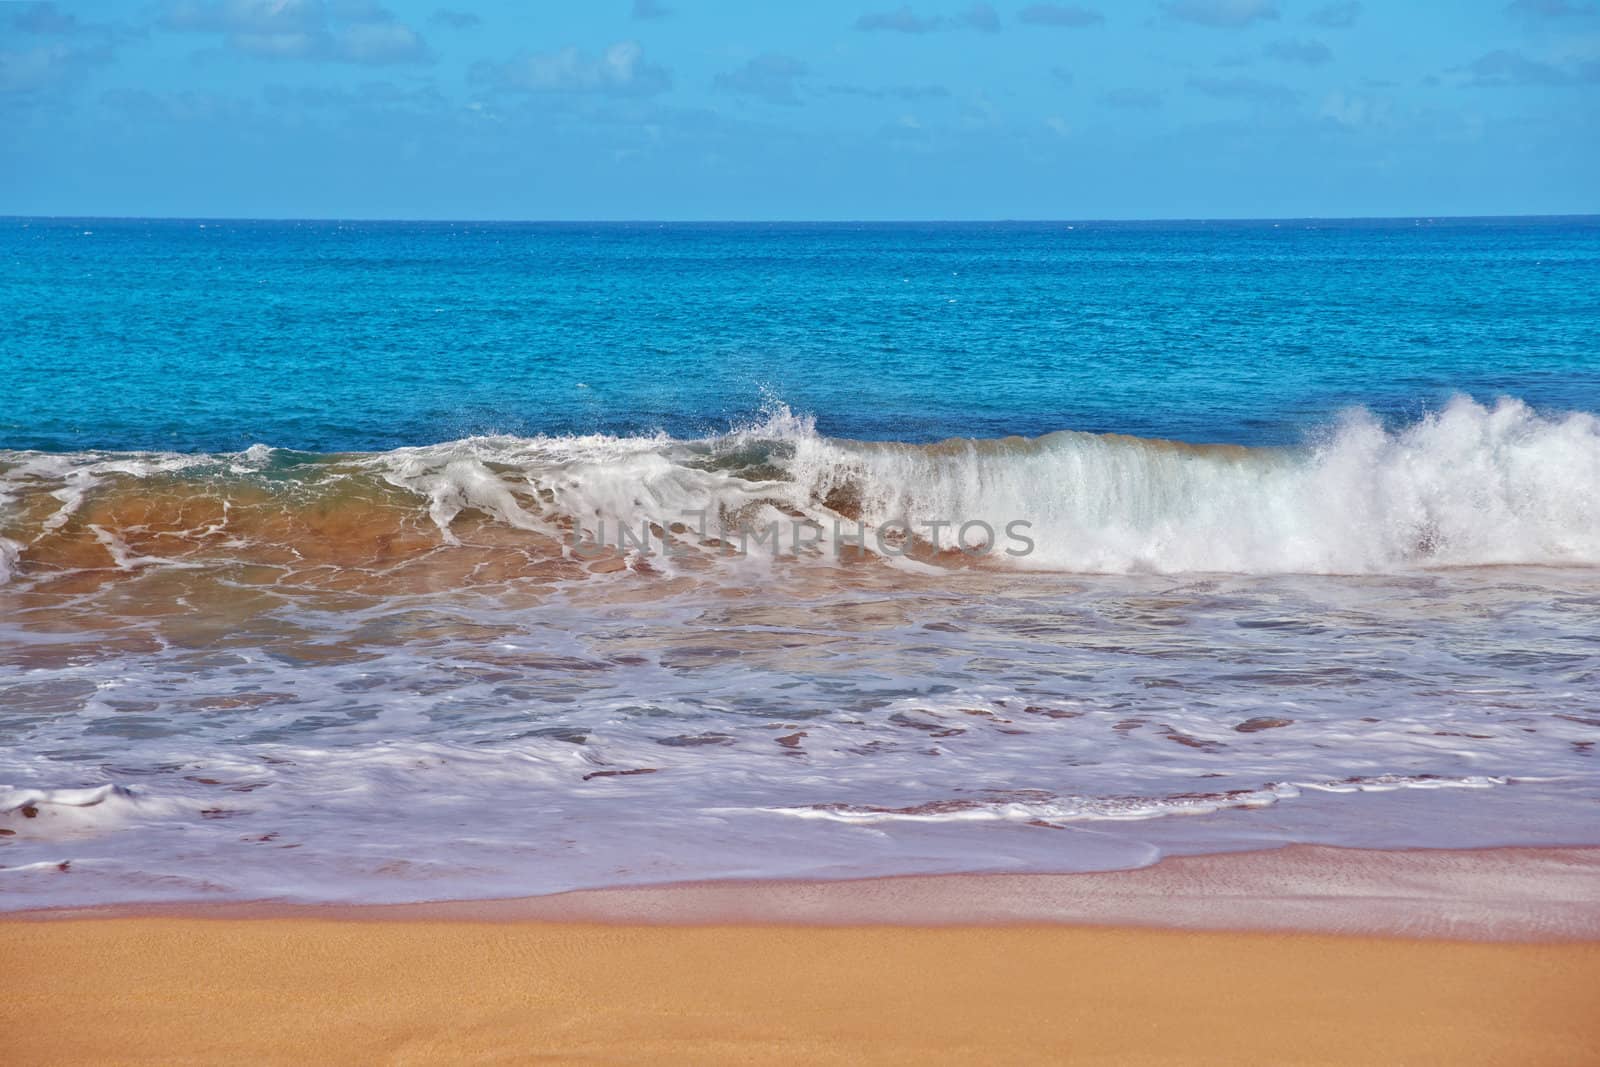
x=858, y=109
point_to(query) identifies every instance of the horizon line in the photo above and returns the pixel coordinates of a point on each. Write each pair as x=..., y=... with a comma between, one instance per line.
x=805, y=221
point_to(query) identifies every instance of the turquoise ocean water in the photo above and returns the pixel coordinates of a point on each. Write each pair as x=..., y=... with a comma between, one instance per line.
x=323, y=336
x=393, y=561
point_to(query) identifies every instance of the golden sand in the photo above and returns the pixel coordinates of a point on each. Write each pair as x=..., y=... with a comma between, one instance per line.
x=171, y=990
x=1130, y=967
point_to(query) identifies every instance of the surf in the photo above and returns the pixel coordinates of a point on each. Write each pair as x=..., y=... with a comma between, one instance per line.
x=1469, y=485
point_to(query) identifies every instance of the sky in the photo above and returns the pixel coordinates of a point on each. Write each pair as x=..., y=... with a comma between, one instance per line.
x=826, y=109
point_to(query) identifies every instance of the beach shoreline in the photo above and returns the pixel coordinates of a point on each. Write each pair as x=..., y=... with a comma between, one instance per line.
x=1507, y=893
x=1331, y=956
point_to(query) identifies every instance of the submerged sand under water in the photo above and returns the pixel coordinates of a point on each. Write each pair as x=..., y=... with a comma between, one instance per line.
x=414, y=675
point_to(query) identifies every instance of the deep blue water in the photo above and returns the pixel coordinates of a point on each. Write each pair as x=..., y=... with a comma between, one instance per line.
x=187, y=335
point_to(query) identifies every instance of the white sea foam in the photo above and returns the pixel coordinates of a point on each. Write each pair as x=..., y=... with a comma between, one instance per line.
x=223, y=730
x=57, y=813
x=1071, y=809
x=1467, y=486
x=462, y=745
x=9, y=551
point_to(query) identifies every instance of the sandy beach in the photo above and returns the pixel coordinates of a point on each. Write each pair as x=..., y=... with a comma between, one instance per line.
x=514, y=981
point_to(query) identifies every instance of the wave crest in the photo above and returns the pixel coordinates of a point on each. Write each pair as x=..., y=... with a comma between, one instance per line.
x=1467, y=486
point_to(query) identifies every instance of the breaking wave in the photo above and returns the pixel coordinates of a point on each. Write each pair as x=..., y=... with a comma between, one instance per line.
x=1463, y=487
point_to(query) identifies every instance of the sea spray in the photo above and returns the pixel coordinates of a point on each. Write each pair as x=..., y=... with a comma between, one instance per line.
x=1463, y=487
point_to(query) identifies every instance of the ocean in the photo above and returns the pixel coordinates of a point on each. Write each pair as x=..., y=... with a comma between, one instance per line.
x=406, y=561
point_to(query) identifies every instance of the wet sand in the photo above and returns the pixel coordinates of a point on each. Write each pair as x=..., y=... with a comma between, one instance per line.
x=838, y=981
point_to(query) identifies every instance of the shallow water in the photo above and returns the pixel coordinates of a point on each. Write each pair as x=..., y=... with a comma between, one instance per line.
x=868, y=635
x=424, y=675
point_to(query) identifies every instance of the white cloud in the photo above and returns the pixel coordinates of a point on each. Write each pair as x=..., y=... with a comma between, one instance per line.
x=620, y=70
x=1060, y=15
x=1311, y=53
x=903, y=19
x=1227, y=14
x=342, y=31
x=1336, y=16
x=769, y=77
